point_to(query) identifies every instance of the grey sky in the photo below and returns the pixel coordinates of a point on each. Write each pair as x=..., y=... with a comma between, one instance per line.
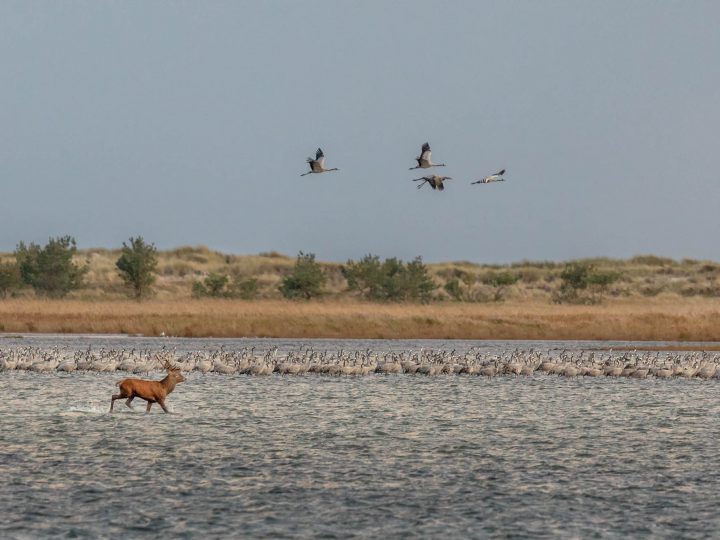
x=190, y=122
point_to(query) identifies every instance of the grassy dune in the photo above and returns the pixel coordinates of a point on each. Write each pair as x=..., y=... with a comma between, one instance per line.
x=640, y=278
x=690, y=319
x=654, y=298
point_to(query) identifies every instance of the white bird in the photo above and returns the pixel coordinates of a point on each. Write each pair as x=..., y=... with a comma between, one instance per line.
x=436, y=182
x=497, y=177
x=317, y=165
x=424, y=161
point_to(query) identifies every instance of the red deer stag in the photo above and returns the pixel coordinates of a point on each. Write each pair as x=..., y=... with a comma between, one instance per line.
x=150, y=391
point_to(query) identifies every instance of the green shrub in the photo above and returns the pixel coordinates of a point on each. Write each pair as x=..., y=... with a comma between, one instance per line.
x=306, y=280
x=213, y=286
x=452, y=287
x=137, y=266
x=10, y=280
x=366, y=276
x=50, y=270
x=499, y=281
x=577, y=277
x=247, y=289
x=602, y=280
x=416, y=283
x=198, y=289
x=390, y=280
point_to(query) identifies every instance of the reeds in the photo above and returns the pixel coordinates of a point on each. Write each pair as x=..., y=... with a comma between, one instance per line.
x=691, y=319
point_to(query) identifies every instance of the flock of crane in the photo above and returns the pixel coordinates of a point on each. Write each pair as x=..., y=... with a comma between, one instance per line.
x=307, y=360
x=424, y=161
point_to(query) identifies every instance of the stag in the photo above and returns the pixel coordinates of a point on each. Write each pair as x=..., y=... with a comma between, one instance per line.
x=150, y=391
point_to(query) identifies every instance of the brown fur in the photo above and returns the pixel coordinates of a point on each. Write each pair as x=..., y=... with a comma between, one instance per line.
x=150, y=391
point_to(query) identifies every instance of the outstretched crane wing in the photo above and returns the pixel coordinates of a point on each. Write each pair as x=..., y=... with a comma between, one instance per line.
x=425, y=153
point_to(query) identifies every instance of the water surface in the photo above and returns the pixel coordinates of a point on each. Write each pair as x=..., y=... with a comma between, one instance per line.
x=376, y=456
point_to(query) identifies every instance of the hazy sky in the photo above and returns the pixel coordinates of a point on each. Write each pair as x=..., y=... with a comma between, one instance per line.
x=190, y=122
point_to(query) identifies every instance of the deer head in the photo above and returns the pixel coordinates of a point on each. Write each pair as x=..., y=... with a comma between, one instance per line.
x=173, y=371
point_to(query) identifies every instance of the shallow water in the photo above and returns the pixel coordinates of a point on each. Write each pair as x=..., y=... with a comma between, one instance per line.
x=375, y=456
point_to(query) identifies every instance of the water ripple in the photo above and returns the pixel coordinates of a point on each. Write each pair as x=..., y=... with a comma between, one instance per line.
x=379, y=456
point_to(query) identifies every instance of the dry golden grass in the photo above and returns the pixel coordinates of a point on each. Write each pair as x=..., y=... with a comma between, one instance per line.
x=695, y=319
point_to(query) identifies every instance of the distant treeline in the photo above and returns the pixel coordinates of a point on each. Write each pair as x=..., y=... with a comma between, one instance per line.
x=139, y=270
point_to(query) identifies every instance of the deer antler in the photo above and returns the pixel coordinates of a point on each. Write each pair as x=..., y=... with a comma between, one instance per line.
x=167, y=364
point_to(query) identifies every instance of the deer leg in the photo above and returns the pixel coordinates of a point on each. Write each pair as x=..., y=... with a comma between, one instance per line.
x=129, y=402
x=147, y=409
x=162, y=404
x=112, y=401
